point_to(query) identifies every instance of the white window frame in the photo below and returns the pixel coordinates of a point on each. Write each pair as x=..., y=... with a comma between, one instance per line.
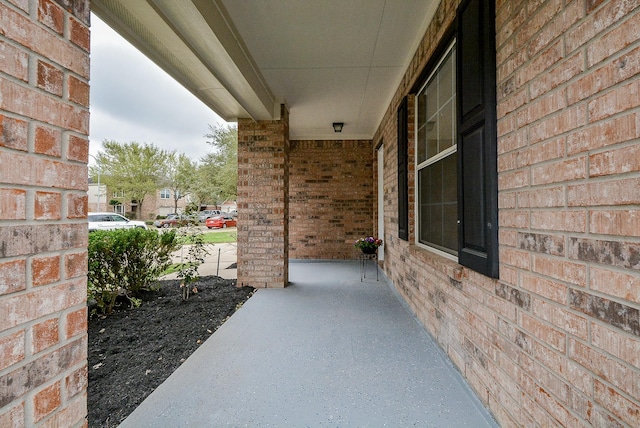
x=165, y=194
x=429, y=161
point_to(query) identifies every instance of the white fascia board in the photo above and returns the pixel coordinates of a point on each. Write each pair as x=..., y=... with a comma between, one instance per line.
x=202, y=53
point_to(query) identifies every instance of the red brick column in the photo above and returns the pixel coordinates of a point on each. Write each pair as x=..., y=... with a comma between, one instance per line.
x=263, y=202
x=44, y=123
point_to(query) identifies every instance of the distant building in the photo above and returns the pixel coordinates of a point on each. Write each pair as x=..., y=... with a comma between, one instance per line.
x=105, y=199
x=162, y=204
x=228, y=206
x=97, y=197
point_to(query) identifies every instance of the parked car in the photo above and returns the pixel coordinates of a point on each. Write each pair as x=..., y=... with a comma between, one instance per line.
x=110, y=221
x=205, y=214
x=220, y=221
x=170, y=220
x=173, y=220
x=234, y=213
x=188, y=218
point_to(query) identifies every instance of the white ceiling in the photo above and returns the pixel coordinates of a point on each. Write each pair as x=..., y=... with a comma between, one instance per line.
x=327, y=60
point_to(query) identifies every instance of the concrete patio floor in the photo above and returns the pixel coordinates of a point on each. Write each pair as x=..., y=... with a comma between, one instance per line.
x=329, y=350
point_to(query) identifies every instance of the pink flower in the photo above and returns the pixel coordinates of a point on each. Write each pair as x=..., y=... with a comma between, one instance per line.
x=368, y=242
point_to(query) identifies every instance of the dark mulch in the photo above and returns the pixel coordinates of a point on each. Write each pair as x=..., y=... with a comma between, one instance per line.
x=134, y=350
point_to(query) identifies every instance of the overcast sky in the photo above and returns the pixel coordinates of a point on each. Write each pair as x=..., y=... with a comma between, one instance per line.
x=132, y=99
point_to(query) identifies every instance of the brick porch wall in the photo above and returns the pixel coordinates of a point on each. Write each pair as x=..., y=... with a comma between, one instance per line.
x=44, y=118
x=555, y=341
x=332, y=198
x=263, y=202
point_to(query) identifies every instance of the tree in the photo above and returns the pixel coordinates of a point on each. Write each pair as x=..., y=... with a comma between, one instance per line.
x=206, y=191
x=181, y=176
x=218, y=171
x=133, y=168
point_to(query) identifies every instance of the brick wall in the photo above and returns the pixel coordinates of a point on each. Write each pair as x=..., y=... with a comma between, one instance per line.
x=331, y=200
x=263, y=202
x=44, y=118
x=556, y=340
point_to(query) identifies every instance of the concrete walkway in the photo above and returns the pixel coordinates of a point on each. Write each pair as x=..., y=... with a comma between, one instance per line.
x=218, y=262
x=327, y=351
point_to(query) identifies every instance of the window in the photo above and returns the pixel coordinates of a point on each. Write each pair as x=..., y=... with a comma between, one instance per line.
x=456, y=144
x=118, y=209
x=437, y=158
x=165, y=194
x=118, y=193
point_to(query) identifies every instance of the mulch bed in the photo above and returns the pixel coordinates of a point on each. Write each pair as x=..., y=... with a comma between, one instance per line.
x=134, y=350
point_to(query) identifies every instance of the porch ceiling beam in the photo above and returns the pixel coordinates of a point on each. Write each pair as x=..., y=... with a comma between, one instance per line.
x=196, y=43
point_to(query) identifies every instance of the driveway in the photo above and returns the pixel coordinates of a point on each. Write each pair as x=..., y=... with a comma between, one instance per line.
x=221, y=260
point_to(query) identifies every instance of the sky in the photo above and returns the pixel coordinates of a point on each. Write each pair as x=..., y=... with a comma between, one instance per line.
x=132, y=99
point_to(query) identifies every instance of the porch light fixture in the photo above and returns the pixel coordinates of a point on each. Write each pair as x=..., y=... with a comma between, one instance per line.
x=337, y=126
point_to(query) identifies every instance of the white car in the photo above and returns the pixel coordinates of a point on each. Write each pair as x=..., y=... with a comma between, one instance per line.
x=110, y=221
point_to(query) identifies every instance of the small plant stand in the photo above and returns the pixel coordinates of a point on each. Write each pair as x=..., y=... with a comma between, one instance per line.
x=364, y=261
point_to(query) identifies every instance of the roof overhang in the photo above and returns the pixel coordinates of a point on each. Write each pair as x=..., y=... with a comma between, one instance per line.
x=328, y=61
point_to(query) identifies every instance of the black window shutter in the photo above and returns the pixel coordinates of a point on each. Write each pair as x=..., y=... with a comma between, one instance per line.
x=403, y=190
x=477, y=145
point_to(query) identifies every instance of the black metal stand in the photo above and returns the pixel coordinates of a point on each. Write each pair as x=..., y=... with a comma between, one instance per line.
x=364, y=258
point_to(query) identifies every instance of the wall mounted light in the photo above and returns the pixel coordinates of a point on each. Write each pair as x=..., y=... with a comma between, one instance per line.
x=337, y=126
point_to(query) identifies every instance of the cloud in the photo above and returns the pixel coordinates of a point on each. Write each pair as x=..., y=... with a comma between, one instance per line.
x=132, y=99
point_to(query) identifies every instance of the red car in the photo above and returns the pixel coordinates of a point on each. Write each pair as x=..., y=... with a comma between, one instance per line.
x=220, y=221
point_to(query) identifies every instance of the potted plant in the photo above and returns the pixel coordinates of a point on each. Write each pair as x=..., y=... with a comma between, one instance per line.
x=368, y=245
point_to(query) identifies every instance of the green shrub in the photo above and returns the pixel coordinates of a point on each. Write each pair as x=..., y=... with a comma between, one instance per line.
x=124, y=262
x=196, y=252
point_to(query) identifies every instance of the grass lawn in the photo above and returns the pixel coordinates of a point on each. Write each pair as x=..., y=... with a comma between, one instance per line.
x=219, y=237
x=171, y=269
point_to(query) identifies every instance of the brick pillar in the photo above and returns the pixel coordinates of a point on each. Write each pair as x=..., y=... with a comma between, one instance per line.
x=44, y=124
x=263, y=202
